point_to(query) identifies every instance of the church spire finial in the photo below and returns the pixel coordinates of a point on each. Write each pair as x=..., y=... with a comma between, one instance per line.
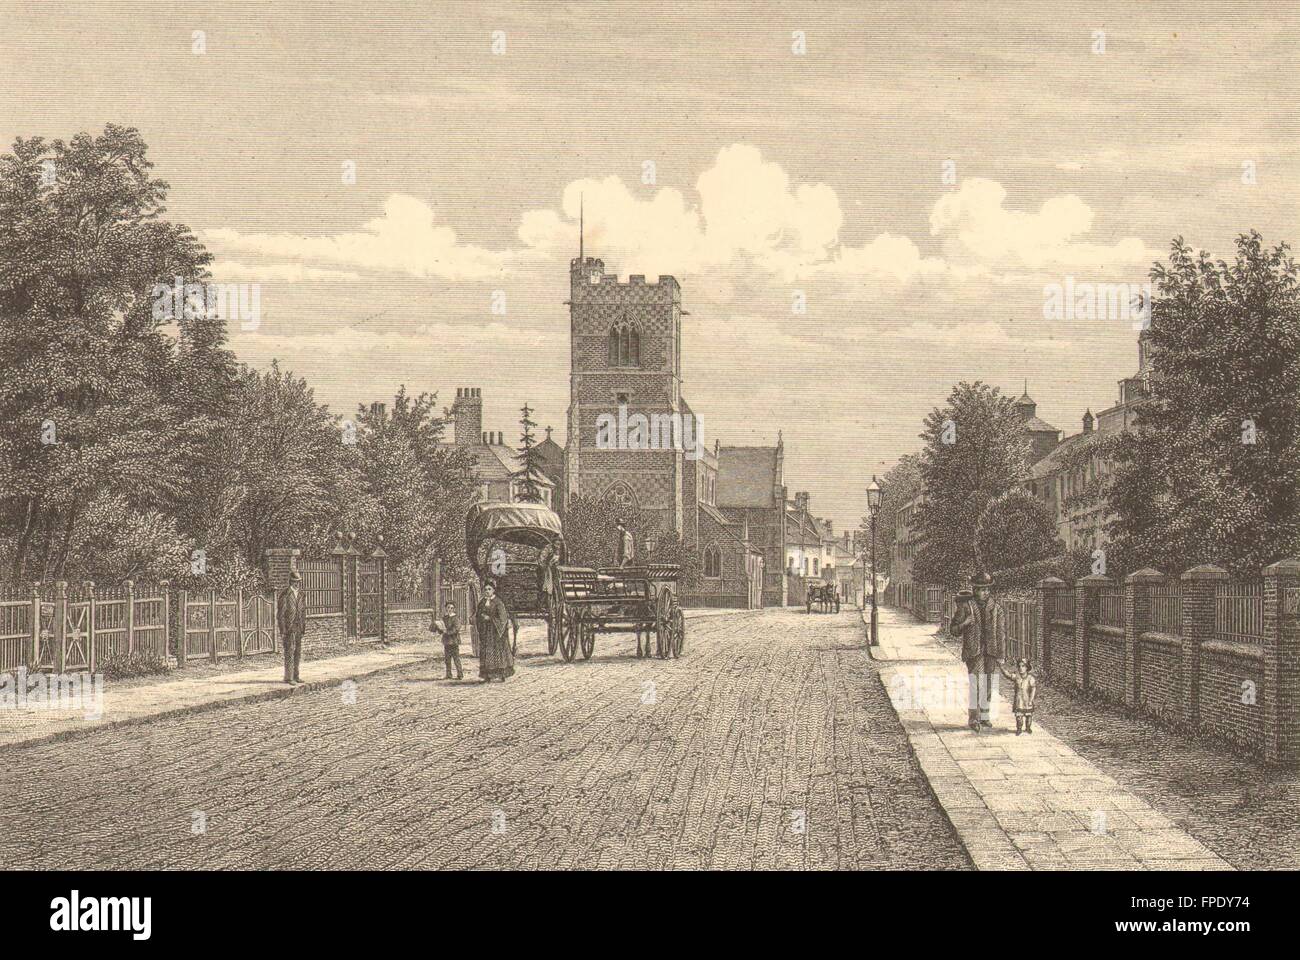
x=580, y=229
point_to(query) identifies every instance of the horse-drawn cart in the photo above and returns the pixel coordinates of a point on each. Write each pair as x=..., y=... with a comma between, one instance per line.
x=640, y=600
x=576, y=602
x=823, y=595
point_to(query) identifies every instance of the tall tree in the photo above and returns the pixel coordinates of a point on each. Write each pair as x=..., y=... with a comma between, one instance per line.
x=530, y=468
x=976, y=448
x=423, y=486
x=101, y=396
x=1212, y=472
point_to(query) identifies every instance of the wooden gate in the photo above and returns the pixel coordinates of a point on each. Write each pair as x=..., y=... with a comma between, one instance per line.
x=370, y=599
x=257, y=623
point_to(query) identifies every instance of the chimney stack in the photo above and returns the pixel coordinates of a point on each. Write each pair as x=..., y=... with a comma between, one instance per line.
x=467, y=415
x=1088, y=421
x=377, y=409
x=801, y=500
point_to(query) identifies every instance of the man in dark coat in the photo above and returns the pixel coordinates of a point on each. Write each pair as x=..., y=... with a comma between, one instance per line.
x=975, y=620
x=291, y=613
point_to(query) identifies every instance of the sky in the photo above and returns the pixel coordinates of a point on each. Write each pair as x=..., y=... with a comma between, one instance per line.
x=913, y=175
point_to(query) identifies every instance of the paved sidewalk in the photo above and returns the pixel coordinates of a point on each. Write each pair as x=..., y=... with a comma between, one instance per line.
x=1018, y=802
x=180, y=694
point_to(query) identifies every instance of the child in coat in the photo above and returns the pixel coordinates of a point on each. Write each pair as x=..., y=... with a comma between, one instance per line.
x=1026, y=691
x=450, y=630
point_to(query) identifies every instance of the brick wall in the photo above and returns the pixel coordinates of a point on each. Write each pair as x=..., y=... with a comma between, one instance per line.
x=1160, y=677
x=1229, y=694
x=1206, y=679
x=1106, y=663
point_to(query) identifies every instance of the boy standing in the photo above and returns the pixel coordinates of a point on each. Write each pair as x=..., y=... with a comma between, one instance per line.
x=450, y=630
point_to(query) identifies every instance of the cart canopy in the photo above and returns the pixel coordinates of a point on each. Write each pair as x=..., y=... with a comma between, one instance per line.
x=530, y=524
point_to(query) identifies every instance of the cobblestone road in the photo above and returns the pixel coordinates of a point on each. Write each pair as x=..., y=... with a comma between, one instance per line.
x=772, y=722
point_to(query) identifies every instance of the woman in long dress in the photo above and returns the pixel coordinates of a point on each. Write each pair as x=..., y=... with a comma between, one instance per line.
x=495, y=659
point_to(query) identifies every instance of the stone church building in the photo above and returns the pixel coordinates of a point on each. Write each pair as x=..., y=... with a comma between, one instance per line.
x=625, y=360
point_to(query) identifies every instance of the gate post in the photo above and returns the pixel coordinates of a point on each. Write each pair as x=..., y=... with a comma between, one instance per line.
x=166, y=617
x=239, y=621
x=130, y=617
x=378, y=554
x=35, y=662
x=212, y=624
x=182, y=622
x=90, y=626
x=60, y=625
x=352, y=586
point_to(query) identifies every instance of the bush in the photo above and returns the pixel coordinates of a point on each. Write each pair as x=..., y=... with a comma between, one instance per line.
x=138, y=664
x=1015, y=529
x=1067, y=566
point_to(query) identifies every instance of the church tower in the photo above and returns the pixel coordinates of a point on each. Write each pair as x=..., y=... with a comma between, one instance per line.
x=625, y=359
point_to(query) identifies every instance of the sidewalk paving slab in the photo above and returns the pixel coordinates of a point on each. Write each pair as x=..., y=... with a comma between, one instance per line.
x=1024, y=802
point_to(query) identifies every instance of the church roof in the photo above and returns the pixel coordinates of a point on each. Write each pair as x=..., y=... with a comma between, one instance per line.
x=747, y=477
x=1037, y=423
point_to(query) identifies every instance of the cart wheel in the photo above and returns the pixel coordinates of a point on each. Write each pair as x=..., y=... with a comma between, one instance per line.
x=678, y=626
x=554, y=626
x=569, y=639
x=588, y=638
x=663, y=641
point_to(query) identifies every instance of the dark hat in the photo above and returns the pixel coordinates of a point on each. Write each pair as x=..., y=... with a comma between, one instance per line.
x=964, y=594
x=981, y=580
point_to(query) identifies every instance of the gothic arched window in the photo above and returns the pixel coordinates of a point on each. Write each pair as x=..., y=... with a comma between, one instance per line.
x=621, y=495
x=712, y=561
x=624, y=345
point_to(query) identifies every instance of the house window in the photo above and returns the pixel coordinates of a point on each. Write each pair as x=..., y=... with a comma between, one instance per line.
x=624, y=345
x=712, y=561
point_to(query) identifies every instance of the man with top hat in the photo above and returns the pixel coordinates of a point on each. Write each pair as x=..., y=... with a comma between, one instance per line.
x=291, y=612
x=975, y=621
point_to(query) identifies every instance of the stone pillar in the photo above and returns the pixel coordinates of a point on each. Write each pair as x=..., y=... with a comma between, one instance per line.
x=1281, y=693
x=1086, y=604
x=1047, y=589
x=1137, y=621
x=1198, y=589
x=279, y=562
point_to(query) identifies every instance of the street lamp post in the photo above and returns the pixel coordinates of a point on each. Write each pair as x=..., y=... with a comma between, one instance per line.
x=873, y=505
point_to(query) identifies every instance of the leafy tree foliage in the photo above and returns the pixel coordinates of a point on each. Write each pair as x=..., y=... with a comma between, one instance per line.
x=1212, y=472
x=975, y=449
x=1015, y=529
x=897, y=487
x=104, y=418
x=421, y=487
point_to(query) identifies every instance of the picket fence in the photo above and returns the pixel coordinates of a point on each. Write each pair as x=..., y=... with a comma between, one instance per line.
x=68, y=627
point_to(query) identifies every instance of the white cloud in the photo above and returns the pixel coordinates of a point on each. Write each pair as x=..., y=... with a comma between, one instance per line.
x=230, y=271
x=975, y=227
x=404, y=239
x=986, y=333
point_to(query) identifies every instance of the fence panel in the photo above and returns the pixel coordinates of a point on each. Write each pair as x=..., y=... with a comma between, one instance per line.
x=408, y=593
x=17, y=636
x=1166, y=608
x=1063, y=605
x=1110, y=606
x=322, y=582
x=1239, y=611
